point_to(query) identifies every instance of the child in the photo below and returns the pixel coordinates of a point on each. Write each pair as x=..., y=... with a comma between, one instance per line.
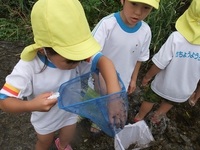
x=176, y=66
x=125, y=38
x=62, y=42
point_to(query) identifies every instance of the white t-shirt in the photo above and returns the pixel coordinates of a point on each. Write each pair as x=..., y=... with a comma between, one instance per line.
x=122, y=44
x=180, y=64
x=27, y=77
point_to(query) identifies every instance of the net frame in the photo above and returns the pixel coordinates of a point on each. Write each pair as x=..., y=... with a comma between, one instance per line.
x=86, y=96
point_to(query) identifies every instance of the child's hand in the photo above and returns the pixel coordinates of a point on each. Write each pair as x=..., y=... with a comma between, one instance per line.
x=117, y=113
x=42, y=103
x=131, y=87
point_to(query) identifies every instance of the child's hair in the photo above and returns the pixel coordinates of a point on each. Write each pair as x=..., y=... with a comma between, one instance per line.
x=50, y=51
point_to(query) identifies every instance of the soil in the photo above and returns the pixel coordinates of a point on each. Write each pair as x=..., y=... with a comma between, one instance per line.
x=16, y=132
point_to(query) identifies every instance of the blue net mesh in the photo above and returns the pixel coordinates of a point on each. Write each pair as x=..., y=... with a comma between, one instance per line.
x=86, y=96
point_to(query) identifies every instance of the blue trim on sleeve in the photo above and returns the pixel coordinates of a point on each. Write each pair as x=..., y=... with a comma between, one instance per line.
x=124, y=26
x=95, y=61
x=3, y=96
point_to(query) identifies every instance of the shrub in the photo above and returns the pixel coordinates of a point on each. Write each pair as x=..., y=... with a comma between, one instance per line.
x=15, y=18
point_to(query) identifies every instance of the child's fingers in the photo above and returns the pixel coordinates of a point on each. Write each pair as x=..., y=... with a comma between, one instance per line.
x=52, y=101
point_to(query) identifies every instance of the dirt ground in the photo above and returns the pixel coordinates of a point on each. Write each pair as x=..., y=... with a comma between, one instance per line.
x=16, y=132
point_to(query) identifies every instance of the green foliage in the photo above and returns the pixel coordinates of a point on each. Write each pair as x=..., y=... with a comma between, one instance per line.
x=15, y=18
x=8, y=29
x=97, y=9
x=162, y=21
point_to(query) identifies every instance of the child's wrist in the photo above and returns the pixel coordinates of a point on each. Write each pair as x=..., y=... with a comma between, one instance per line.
x=148, y=78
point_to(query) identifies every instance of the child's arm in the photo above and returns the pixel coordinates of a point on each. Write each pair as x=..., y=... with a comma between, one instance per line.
x=195, y=96
x=197, y=91
x=132, y=85
x=150, y=74
x=117, y=113
x=107, y=69
x=39, y=103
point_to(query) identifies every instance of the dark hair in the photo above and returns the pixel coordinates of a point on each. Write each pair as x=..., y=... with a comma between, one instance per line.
x=51, y=51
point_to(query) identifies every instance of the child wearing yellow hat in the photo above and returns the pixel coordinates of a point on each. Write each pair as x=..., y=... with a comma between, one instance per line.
x=62, y=42
x=176, y=67
x=125, y=38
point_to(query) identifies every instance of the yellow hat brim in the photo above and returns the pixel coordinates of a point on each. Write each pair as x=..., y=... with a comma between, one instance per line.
x=80, y=51
x=61, y=25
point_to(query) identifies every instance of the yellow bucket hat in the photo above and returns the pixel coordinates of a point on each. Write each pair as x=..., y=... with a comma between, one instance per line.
x=153, y=3
x=61, y=25
x=189, y=23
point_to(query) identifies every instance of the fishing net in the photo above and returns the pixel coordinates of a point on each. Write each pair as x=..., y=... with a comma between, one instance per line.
x=87, y=96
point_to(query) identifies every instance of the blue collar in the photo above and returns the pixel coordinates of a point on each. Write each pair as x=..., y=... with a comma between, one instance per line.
x=46, y=61
x=124, y=26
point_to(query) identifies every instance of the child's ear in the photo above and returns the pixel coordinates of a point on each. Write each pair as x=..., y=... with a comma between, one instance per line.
x=41, y=51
